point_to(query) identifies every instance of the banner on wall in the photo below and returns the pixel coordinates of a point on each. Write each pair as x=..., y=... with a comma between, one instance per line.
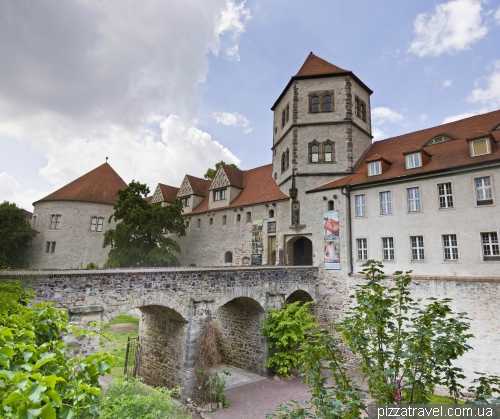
x=257, y=242
x=331, y=240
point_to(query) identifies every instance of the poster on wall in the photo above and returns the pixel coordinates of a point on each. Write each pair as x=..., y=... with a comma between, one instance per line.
x=331, y=240
x=257, y=242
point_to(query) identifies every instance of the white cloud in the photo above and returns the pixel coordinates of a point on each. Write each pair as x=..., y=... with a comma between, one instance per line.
x=447, y=83
x=8, y=184
x=454, y=26
x=233, y=53
x=497, y=15
x=423, y=117
x=10, y=191
x=489, y=96
x=383, y=114
x=86, y=80
x=231, y=118
x=454, y=118
x=378, y=134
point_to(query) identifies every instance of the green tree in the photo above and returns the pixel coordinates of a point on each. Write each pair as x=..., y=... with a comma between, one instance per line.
x=405, y=349
x=37, y=380
x=212, y=172
x=142, y=237
x=15, y=235
x=286, y=330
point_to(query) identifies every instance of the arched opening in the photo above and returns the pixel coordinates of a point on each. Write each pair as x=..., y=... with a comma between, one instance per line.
x=299, y=295
x=271, y=213
x=162, y=335
x=245, y=261
x=228, y=257
x=299, y=251
x=243, y=346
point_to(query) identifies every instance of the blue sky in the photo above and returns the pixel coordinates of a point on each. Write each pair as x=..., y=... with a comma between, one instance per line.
x=165, y=88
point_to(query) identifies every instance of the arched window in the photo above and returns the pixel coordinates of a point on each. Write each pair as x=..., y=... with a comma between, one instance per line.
x=238, y=217
x=249, y=216
x=198, y=222
x=211, y=221
x=327, y=103
x=328, y=152
x=331, y=205
x=187, y=224
x=315, y=104
x=224, y=220
x=228, y=257
x=287, y=159
x=314, y=153
x=271, y=213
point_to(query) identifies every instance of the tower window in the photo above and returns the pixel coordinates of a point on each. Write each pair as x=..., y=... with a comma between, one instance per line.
x=198, y=223
x=287, y=113
x=327, y=103
x=287, y=159
x=360, y=109
x=55, y=221
x=331, y=205
x=238, y=217
x=271, y=213
x=211, y=221
x=328, y=152
x=249, y=216
x=314, y=153
x=315, y=104
x=96, y=224
x=224, y=220
x=283, y=118
x=228, y=257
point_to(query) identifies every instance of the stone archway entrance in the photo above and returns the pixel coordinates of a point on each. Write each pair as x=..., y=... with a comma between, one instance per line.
x=299, y=251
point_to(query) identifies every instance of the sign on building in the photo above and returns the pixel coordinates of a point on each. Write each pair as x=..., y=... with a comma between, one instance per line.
x=331, y=240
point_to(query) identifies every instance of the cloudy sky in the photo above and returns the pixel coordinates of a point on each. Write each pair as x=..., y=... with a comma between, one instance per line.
x=169, y=87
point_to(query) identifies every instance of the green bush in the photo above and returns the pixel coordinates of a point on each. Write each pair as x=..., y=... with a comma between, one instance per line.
x=92, y=265
x=286, y=330
x=37, y=380
x=132, y=399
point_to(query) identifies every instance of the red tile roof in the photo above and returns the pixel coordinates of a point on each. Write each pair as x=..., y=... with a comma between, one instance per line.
x=198, y=185
x=169, y=192
x=258, y=187
x=99, y=185
x=446, y=155
x=315, y=66
x=235, y=176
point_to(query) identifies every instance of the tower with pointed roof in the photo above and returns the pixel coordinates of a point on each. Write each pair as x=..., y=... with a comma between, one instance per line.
x=321, y=124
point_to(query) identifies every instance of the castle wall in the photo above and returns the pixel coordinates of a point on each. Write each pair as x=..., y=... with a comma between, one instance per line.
x=76, y=245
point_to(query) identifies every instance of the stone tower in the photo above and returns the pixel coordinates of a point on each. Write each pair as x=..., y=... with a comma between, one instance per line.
x=321, y=126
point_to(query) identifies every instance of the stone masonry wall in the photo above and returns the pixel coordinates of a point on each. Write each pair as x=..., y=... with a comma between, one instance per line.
x=243, y=346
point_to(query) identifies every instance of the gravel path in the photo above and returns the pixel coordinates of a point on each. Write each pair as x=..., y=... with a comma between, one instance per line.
x=255, y=400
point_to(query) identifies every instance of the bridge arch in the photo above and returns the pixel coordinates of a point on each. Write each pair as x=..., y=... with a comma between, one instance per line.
x=299, y=295
x=240, y=322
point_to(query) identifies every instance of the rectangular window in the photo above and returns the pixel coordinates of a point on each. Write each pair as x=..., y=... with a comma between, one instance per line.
x=417, y=248
x=216, y=195
x=100, y=222
x=198, y=223
x=224, y=220
x=445, y=195
x=484, y=195
x=491, y=251
x=33, y=221
x=414, y=199
x=413, y=160
x=360, y=206
x=480, y=147
x=55, y=222
x=450, y=247
x=47, y=247
x=374, y=168
x=388, y=248
x=93, y=224
x=186, y=201
x=50, y=247
x=385, y=203
x=362, y=249
x=223, y=194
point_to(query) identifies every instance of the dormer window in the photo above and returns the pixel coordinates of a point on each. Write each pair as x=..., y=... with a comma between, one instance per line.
x=220, y=194
x=374, y=168
x=496, y=128
x=413, y=160
x=186, y=201
x=438, y=140
x=480, y=147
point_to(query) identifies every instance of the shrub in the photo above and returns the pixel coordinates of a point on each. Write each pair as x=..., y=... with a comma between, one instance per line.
x=92, y=265
x=286, y=330
x=132, y=399
x=37, y=380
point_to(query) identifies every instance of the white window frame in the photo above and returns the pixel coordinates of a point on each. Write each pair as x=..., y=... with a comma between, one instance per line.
x=55, y=221
x=388, y=249
x=490, y=247
x=375, y=168
x=360, y=205
x=413, y=160
x=417, y=248
x=223, y=193
x=450, y=249
x=483, y=190
x=385, y=204
x=488, y=148
x=217, y=195
x=414, y=198
x=362, y=249
x=446, y=196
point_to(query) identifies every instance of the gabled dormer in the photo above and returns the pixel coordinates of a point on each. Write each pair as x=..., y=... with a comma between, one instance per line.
x=376, y=165
x=480, y=144
x=192, y=192
x=226, y=186
x=415, y=157
x=164, y=195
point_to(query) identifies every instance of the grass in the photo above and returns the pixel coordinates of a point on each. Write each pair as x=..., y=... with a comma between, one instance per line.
x=435, y=399
x=117, y=343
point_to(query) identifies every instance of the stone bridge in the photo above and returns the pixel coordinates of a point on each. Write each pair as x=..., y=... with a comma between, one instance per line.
x=175, y=304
